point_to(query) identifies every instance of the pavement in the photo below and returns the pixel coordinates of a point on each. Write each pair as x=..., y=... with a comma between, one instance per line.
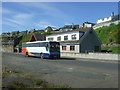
x=76, y=73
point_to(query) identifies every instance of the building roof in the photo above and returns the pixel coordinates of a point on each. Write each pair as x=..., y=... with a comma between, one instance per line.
x=89, y=23
x=79, y=29
x=69, y=27
x=38, y=37
x=49, y=28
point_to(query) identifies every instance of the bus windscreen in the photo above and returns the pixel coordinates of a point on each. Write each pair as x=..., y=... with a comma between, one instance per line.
x=54, y=46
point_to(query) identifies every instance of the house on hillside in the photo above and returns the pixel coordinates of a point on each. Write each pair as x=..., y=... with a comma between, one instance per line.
x=6, y=34
x=49, y=28
x=88, y=24
x=107, y=21
x=24, y=32
x=76, y=26
x=80, y=40
x=109, y=18
x=69, y=27
x=15, y=33
x=38, y=37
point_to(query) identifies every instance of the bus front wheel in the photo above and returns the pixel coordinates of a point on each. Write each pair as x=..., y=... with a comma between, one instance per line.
x=42, y=56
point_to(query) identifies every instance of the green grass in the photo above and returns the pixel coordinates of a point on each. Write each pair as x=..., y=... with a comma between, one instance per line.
x=110, y=34
x=36, y=84
x=26, y=80
x=43, y=84
x=112, y=48
x=5, y=74
x=17, y=85
x=25, y=38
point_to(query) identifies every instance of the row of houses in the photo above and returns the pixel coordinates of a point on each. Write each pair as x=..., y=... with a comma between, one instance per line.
x=107, y=21
x=73, y=38
x=80, y=40
x=49, y=29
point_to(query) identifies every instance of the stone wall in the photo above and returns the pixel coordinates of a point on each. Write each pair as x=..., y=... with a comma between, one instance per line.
x=98, y=56
x=7, y=47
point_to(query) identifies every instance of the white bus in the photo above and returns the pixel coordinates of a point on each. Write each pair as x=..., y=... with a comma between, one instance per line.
x=43, y=49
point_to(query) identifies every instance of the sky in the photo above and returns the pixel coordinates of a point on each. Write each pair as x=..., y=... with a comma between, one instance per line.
x=20, y=16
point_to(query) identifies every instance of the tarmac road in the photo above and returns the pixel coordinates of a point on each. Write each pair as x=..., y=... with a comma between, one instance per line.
x=76, y=73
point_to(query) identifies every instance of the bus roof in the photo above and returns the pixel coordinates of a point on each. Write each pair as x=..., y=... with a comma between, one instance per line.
x=41, y=41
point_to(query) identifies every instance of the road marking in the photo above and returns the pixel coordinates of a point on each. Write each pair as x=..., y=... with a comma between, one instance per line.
x=70, y=68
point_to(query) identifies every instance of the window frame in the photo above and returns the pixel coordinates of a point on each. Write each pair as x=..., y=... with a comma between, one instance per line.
x=74, y=37
x=73, y=48
x=59, y=38
x=64, y=47
x=66, y=37
x=50, y=39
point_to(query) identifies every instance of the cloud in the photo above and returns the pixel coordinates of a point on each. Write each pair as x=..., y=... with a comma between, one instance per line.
x=67, y=23
x=47, y=9
x=16, y=20
x=6, y=11
x=10, y=24
x=43, y=24
x=22, y=16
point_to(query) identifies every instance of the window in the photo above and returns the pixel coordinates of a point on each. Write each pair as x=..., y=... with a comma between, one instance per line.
x=59, y=38
x=65, y=37
x=50, y=39
x=74, y=37
x=81, y=34
x=72, y=48
x=34, y=44
x=63, y=47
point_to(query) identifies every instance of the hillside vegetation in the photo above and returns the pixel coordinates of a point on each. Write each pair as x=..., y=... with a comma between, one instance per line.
x=109, y=35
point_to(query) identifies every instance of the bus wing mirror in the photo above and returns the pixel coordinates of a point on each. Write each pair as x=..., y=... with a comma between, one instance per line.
x=46, y=47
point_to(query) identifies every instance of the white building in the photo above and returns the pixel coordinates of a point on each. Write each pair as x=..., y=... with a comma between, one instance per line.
x=76, y=26
x=78, y=41
x=113, y=19
x=88, y=24
x=47, y=29
x=107, y=19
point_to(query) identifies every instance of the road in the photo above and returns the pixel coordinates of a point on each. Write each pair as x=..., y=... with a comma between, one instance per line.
x=76, y=73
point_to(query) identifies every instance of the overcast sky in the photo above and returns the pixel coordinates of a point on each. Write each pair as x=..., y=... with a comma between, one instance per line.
x=29, y=15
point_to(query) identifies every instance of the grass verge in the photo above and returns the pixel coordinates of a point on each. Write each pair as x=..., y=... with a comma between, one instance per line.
x=21, y=81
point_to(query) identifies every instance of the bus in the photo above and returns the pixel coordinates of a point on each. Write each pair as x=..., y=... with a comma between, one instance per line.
x=43, y=49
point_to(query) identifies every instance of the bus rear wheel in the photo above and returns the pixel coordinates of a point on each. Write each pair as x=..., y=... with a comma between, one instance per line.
x=27, y=54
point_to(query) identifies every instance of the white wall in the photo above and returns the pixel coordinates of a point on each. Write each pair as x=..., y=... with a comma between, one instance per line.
x=99, y=56
x=88, y=25
x=105, y=19
x=68, y=49
x=105, y=24
x=64, y=34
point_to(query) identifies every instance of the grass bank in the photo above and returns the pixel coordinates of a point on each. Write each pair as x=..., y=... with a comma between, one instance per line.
x=21, y=81
x=114, y=49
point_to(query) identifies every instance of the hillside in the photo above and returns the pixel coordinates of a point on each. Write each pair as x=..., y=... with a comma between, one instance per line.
x=110, y=35
x=25, y=38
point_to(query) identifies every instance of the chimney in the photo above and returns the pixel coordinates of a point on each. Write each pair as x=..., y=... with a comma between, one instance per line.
x=112, y=14
x=72, y=25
